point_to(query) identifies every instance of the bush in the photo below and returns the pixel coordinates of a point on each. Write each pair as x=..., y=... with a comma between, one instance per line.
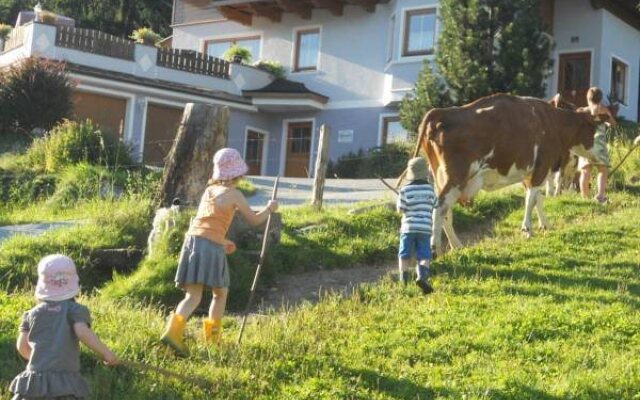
x=26, y=187
x=235, y=51
x=75, y=142
x=388, y=161
x=272, y=67
x=5, y=30
x=35, y=93
x=145, y=36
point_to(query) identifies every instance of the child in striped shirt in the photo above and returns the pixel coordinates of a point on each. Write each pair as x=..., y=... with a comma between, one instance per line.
x=416, y=201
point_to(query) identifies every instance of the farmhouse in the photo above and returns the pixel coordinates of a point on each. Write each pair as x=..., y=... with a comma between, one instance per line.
x=348, y=64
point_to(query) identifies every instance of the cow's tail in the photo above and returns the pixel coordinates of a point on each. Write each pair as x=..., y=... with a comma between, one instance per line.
x=426, y=136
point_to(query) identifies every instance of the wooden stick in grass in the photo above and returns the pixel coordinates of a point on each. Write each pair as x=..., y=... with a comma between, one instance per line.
x=263, y=253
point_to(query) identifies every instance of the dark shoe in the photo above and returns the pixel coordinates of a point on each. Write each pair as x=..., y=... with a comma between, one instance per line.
x=404, y=277
x=424, y=286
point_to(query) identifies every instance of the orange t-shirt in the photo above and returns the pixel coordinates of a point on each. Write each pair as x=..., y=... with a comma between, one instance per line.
x=212, y=220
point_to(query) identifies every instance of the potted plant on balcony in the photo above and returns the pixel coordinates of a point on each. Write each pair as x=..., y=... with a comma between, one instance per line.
x=145, y=36
x=47, y=17
x=237, y=55
x=5, y=30
x=273, y=67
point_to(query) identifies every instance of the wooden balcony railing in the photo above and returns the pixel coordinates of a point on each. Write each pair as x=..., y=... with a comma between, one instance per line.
x=16, y=38
x=94, y=42
x=194, y=62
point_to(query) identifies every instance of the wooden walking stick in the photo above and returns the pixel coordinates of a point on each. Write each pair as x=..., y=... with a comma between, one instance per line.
x=394, y=190
x=636, y=144
x=263, y=253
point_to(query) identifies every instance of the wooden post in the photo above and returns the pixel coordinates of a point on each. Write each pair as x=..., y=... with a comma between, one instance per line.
x=202, y=132
x=321, y=166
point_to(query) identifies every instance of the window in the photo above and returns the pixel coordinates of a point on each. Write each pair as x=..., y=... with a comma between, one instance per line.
x=619, y=80
x=419, y=32
x=392, y=28
x=307, y=49
x=392, y=130
x=216, y=48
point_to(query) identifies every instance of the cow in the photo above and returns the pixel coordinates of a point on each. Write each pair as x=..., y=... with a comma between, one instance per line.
x=494, y=142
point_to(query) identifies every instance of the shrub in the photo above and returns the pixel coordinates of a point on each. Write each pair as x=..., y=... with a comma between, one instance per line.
x=73, y=142
x=35, y=93
x=272, y=67
x=145, y=36
x=47, y=17
x=388, y=161
x=25, y=187
x=5, y=30
x=84, y=181
x=235, y=53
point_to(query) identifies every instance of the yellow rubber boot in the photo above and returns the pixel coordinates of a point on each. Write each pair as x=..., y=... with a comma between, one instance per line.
x=212, y=330
x=173, y=334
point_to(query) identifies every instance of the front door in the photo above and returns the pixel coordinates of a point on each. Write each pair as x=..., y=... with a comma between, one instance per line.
x=254, y=151
x=574, y=78
x=298, y=149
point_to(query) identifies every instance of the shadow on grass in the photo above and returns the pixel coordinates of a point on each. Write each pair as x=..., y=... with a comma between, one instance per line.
x=396, y=388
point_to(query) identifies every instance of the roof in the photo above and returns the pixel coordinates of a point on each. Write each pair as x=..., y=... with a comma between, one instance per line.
x=156, y=83
x=243, y=11
x=28, y=16
x=626, y=10
x=284, y=88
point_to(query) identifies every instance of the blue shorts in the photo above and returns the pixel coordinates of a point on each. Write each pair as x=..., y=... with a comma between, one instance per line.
x=418, y=242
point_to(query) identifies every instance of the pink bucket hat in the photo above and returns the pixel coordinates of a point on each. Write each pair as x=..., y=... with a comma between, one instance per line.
x=228, y=164
x=57, y=278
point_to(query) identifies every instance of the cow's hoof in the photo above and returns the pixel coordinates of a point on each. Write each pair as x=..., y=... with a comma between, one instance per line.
x=543, y=228
x=526, y=232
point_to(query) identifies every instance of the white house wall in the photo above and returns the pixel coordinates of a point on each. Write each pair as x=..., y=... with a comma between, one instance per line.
x=628, y=51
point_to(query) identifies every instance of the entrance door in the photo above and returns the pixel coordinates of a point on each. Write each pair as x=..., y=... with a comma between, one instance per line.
x=254, y=151
x=574, y=78
x=298, y=149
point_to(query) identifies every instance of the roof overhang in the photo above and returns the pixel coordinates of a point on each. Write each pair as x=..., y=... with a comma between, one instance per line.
x=280, y=102
x=243, y=11
x=626, y=10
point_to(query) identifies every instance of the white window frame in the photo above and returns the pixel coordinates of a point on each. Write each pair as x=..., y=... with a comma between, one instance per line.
x=265, y=146
x=234, y=36
x=381, y=122
x=391, y=39
x=625, y=100
x=294, y=48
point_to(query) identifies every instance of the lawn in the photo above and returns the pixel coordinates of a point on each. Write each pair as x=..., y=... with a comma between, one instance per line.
x=553, y=317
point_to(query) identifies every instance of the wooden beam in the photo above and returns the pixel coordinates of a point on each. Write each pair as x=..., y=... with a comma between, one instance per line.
x=272, y=12
x=236, y=15
x=295, y=6
x=368, y=5
x=336, y=7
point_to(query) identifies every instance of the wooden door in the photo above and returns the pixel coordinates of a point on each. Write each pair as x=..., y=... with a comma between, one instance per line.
x=298, y=149
x=254, y=152
x=574, y=78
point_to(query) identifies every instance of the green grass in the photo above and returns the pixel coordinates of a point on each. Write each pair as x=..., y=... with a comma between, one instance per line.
x=554, y=317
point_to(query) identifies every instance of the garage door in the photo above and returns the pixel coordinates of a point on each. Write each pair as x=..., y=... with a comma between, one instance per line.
x=161, y=129
x=108, y=112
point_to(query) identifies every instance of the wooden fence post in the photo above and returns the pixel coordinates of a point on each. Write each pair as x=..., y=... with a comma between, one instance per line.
x=202, y=132
x=321, y=166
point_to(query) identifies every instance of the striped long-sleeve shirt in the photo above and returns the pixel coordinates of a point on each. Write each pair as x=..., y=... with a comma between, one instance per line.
x=416, y=201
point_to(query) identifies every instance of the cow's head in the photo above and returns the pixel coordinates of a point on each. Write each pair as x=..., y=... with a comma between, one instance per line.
x=559, y=102
x=586, y=128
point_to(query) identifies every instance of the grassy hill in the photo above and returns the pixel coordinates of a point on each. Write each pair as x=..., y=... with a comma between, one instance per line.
x=554, y=317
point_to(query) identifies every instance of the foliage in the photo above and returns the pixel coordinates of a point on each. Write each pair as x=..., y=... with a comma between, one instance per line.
x=73, y=142
x=236, y=51
x=5, y=30
x=25, y=187
x=485, y=47
x=47, y=17
x=273, y=67
x=388, y=161
x=620, y=144
x=35, y=93
x=246, y=187
x=145, y=36
x=115, y=17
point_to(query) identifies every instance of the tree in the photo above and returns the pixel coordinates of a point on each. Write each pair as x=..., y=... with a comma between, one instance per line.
x=118, y=17
x=485, y=47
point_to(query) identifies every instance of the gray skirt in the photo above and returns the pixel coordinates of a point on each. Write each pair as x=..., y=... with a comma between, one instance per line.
x=202, y=261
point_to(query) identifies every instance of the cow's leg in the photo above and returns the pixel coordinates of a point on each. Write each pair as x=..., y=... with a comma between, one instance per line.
x=446, y=200
x=542, y=217
x=454, y=241
x=530, y=202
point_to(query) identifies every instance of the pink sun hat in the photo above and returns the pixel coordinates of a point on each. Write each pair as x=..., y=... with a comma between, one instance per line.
x=57, y=278
x=228, y=164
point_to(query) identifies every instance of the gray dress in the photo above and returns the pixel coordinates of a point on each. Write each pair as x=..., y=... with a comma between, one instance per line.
x=203, y=262
x=53, y=372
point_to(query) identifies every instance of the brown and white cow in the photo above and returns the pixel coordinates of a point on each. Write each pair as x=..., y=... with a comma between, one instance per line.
x=494, y=142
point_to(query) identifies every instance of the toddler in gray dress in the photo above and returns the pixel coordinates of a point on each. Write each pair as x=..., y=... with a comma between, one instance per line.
x=50, y=334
